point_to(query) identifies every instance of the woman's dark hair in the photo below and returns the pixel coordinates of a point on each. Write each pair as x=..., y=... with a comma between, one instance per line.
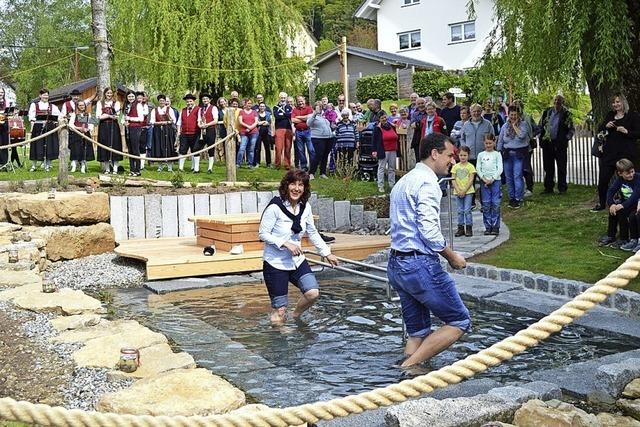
x=291, y=177
x=43, y=91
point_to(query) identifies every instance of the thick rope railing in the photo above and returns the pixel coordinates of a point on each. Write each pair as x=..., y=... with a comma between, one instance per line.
x=154, y=159
x=355, y=404
x=34, y=139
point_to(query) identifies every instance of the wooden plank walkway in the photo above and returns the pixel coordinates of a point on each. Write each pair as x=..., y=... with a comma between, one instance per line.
x=169, y=258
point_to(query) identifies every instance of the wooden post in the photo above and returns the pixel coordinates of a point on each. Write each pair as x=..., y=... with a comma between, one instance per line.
x=230, y=145
x=63, y=167
x=345, y=72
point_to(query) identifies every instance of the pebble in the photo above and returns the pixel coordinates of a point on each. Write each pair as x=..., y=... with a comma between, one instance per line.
x=88, y=385
x=97, y=272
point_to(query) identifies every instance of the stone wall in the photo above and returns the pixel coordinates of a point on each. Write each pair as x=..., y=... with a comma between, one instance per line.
x=153, y=216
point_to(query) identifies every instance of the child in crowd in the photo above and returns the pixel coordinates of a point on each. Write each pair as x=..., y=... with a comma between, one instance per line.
x=627, y=187
x=464, y=174
x=489, y=169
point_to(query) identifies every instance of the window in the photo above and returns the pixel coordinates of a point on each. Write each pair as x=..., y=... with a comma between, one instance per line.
x=410, y=40
x=409, y=2
x=464, y=31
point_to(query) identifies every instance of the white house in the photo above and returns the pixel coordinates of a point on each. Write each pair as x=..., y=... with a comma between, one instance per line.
x=432, y=31
x=303, y=44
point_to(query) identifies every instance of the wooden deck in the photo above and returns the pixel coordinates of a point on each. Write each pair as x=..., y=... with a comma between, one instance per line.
x=169, y=258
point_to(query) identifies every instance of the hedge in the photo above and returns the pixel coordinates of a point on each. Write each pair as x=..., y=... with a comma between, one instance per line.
x=381, y=86
x=435, y=83
x=329, y=89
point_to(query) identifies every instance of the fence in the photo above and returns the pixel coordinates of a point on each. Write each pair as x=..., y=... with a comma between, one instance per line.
x=582, y=167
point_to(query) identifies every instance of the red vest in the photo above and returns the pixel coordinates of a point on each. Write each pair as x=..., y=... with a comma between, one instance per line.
x=207, y=114
x=133, y=112
x=82, y=121
x=69, y=107
x=189, y=122
x=40, y=112
x=162, y=117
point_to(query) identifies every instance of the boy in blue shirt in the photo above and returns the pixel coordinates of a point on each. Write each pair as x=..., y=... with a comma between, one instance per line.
x=627, y=186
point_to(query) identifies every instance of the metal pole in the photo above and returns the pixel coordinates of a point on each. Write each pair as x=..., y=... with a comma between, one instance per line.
x=352, y=261
x=349, y=270
x=450, y=179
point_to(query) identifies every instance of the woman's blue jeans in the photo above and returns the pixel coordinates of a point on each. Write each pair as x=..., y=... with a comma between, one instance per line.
x=513, y=168
x=248, y=146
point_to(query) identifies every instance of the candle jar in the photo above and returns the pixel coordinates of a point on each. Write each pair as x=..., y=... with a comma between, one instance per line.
x=13, y=256
x=129, y=359
x=89, y=189
x=52, y=194
x=48, y=286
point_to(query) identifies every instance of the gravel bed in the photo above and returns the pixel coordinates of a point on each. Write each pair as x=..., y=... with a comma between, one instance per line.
x=97, y=272
x=87, y=387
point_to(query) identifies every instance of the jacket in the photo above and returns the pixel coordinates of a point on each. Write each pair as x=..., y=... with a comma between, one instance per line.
x=565, y=128
x=473, y=136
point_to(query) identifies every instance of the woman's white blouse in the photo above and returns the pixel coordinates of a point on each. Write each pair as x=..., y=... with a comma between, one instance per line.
x=275, y=231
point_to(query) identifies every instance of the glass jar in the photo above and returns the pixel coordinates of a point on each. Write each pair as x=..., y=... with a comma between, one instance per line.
x=49, y=286
x=13, y=256
x=89, y=189
x=52, y=194
x=129, y=359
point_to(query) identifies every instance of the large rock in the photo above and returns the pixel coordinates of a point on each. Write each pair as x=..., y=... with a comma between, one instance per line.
x=12, y=279
x=154, y=360
x=178, y=392
x=102, y=329
x=20, y=291
x=611, y=420
x=536, y=413
x=72, y=208
x=69, y=242
x=632, y=390
x=458, y=412
x=77, y=321
x=612, y=378
x=4, y=216
x=65, y=301
x=104, y=351
x=630, y=407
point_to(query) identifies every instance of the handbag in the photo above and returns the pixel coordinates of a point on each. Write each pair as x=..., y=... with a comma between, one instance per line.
x=597, y=147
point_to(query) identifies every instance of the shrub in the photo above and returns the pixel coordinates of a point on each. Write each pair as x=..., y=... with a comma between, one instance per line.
x=381, y=86
x=329, y=89
x=435, y=83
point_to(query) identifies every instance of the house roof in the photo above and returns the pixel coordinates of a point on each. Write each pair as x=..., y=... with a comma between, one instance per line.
x=376, y=55
x=82, y=85
x=368, y=10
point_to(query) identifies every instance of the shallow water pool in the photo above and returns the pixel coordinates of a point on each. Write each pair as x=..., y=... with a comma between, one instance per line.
x=348, y=343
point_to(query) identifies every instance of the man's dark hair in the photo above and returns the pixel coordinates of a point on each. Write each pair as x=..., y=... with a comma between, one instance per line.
x=434, y=141
x=449, y=96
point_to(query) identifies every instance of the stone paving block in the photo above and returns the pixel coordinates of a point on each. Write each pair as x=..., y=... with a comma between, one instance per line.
x=558, y=287
x=217, y=204
x=201, y=204
x=153, y=216
x=529, y=281
x=621, y=301
x=634, y=306
x=613, y=378
x=516, y=277
x=492, y=273
x=135, y=218
x=264, y=197
x=370, y=218
x=573, y=289
x=342, y=210
x=470, y=270
x=542, y=283
x=481, y=271
x=233, y=202
x=505, y=275
x=185, y=211
x=517, y=394
x=544, y=390
x=313, y=202
x=357, y=216
x=169, y=216
x=249, y=201
x=118, y=208
x=326, y=220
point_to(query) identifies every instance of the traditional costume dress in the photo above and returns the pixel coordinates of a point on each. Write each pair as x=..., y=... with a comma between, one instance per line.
x=164, y=134
x=109, y=134
x=81, y=149
x=5, y=110
x=43, y=117
x=208, y=119
x=137, y=135
x=222, y=134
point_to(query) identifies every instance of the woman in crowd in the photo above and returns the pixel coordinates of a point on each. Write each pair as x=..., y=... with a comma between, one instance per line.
x=43, y=117
x=385, y=143
x=622, y=130
x=284, y=222
x=128, y=102
x=346, y=140
x=496, y=120
x=264, y=136
x=164, y=135
x=432, y=122
x=322, y=140
x=107, y=110
x=81, y=149
x=456, y=132
x=248, y=121
x=513, y=142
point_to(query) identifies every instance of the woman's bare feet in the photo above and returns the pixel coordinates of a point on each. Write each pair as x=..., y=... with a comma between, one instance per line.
x=278, y=315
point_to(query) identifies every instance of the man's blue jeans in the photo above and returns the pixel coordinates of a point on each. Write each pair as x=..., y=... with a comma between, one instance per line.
x=513, y=168
x=491, y=198
x=464, y=209
x=303, y=139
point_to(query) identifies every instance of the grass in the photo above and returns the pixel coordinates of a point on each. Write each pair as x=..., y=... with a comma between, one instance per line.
x=339, y=189
x=557, y=235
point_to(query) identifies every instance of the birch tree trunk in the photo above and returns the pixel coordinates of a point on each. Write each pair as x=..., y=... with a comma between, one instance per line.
x=100, y=38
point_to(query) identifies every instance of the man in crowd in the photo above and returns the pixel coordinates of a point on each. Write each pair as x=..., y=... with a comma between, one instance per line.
x=284, y=133
x=450, y=111
x=556, y=129
x=413, y=103
x=342, y=106
x=189, y=132
x=299, y=118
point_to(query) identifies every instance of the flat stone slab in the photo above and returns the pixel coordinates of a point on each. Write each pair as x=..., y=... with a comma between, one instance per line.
x=70, y=208
x=76, y=321
x=104, y=352
x=12, y=279
x=65, y=301
x=632, y=390
x=179, y=392
x=189, y=283
x=102, y=329
x=154, y=360
x=12, y=293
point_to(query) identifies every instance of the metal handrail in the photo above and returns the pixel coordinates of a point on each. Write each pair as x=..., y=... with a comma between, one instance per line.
x=352, y=261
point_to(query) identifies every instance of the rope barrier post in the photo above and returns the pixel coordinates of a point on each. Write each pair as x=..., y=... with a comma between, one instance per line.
x=230, y=145
x=63, y=167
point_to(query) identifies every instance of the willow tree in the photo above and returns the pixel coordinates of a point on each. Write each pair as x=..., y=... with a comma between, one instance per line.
x=563, y=42
x=204, y=43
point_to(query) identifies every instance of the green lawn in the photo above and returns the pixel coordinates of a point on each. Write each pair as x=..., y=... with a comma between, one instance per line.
x=334, y=187
x=557, y=235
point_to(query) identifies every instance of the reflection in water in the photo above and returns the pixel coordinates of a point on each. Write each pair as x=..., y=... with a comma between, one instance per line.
x=350, y=341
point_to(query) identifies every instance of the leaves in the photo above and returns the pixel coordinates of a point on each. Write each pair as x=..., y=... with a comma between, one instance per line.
x=379, y=86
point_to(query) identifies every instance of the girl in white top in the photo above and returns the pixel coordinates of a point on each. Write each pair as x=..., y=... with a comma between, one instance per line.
x=43, y=117
x=80, y=149
x=285, y=220
x=107, y=111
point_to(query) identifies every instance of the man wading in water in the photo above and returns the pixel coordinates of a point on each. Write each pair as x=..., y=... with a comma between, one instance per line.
x=414, y=268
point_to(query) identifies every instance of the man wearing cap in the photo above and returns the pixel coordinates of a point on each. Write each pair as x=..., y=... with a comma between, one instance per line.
x=70, y=105
x=137, y=136
x=189, y=132
x=207, y=121
x=417, y=243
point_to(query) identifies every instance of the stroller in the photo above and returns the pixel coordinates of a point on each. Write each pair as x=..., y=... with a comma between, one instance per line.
x=367, y=164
